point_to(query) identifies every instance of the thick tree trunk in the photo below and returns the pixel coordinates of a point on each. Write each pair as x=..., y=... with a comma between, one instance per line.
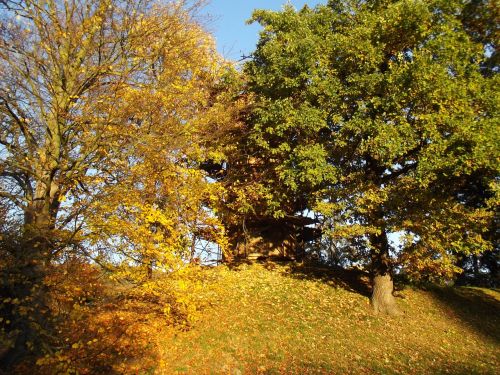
x=31, y=320
x=382, y=299
x=26, y=284
x=475, y=267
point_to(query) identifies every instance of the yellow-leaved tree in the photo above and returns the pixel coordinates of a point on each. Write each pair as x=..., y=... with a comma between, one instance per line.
x=103, y=108
x=153, y=196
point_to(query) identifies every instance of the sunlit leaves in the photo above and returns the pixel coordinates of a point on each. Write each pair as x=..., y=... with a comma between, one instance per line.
x=377, y=114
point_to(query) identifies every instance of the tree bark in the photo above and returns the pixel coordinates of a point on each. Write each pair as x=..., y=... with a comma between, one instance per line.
x=382, y=299
x=475, y=266
x=26, y=283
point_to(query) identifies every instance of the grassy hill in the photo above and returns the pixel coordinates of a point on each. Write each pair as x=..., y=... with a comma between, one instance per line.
x=270, y=319
x=280, y=320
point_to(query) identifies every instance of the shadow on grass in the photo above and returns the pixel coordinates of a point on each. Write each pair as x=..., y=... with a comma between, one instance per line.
x=353, y=280
x=474, y=307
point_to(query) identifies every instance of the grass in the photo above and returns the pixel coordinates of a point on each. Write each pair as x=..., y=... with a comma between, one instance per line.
x=295, y=321
x=269, y=318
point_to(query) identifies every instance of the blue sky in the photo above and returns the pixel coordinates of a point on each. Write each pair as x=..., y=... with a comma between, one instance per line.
x=235, y=38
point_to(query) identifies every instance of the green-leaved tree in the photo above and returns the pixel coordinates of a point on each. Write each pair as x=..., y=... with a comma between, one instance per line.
x=376, y=114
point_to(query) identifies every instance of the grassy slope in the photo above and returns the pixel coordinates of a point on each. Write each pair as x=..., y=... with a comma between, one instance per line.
x=283, y=321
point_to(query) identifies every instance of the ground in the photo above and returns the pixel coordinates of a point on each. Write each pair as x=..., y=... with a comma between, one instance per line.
x=294, y=320
x=272, y=318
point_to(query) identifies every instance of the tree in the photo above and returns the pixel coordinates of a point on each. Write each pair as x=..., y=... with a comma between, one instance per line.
x=480, y=20
x=95, y=95
x=280, y=167
x=374, y=111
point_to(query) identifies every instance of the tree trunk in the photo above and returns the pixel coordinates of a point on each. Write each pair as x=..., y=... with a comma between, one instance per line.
x=382, y=299
x=26, y=284
x=475, y=267
x=149, y=269
x=34, y=326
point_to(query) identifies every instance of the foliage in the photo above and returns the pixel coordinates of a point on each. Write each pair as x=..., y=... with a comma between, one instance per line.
x=378, y=115
x=125, y=140
x=104, y=324
x=154, y=200
x=104, y=110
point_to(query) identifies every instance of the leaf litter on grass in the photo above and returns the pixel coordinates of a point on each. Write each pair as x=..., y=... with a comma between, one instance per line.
x=270, y=321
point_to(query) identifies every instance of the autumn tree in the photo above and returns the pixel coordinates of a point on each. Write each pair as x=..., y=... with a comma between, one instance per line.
x=372, y=113
x=480, y=20
x=100, y=104
x=156, y=200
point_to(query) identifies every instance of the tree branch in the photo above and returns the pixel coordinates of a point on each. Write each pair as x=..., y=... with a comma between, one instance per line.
x=14, y=199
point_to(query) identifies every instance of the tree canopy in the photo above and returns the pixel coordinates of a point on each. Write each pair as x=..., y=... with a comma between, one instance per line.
x=377, y=115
